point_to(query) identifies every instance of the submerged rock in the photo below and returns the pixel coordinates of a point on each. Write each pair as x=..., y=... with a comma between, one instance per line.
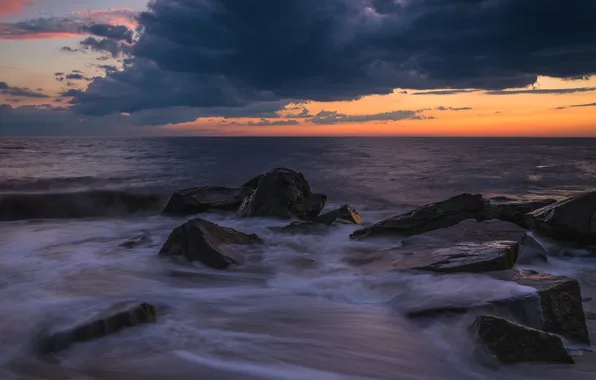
x=514, y=211
x=200, y=199
x=428, y=218
x=204, y=241
x=513, y=343
x=344, y=214
x=135, y=241
x=283, y=193
x=305, y=228
x=110, y=321
x=569, y=220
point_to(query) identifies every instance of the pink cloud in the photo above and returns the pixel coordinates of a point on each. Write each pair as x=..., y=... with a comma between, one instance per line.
x=9, y=7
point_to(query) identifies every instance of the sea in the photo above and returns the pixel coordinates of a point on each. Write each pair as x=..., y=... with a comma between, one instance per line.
x=61, y=258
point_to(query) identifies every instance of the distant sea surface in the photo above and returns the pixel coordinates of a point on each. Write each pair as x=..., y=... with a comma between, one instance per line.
x=282, y=321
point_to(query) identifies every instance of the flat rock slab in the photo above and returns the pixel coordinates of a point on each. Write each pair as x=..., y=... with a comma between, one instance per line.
x=112, y=320
x=514, y=211
x=569, y=220
x=428, y=218
x=556, y=307
x=200, y=199
x=512, y=343
x=204, y=241
x=471, y=230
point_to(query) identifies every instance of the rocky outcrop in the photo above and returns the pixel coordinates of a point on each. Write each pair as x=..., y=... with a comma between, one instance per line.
x=200, y=199
x=283, y=193
x=513, y=343
x=428, y=218
x=107, y=322
x=514, y=211
x=472, y=231
x=253, y=182
x=560, y=310
x=569, y=220
x=212, y=245
x=344, y=214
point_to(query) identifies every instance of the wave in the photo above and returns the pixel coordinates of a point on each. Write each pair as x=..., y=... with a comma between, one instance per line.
x=95, y=203
x=40, y=184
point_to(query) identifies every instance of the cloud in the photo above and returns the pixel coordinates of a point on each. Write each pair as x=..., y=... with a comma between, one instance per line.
x=22, y=92
x=444, y=92
x=76, y=76
x=543, y=91
x=227, y=52
x=577, y=106
x=9, y=7
x=111, y=23
x=334, y=117
x=269, y=123
x=105, y=45
x=441, y=108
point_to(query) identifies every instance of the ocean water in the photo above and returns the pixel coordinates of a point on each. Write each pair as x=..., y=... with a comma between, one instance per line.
x=275, y=318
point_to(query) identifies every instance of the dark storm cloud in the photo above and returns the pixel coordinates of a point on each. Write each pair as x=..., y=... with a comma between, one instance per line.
x=334, y=117
x=577, y=106
x=112, y=32
x=22, y=92
x=544, y=91
x=214, y=53
x=105, y=45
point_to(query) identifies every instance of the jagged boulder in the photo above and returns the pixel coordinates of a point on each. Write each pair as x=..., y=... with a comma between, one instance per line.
x=321, y=224
x=514, y=211
x=428, y=218
x=513, y=343
x=200, y=240
x=200, y=199
x=109, y=321
x=344, y=214
x=569, y=220
x=283, y=193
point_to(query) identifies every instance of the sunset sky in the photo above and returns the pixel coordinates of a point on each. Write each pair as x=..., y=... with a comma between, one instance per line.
x=298, y=67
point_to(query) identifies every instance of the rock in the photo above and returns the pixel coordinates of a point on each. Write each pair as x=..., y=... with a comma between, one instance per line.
x=304, y=228
x=559, y=299
x=212, y=245
x=135, y=241
x=569, y=220
x=459, y=257
x=200, y=199
x=471, y=230
x=253, y=183
x=514, y=211
x=428, y=218
x=344, y=214
x=283, y=193
x=512, y=343
x=531, y=252
x=107, y=322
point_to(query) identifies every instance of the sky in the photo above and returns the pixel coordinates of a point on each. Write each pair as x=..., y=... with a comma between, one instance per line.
x=298, y=67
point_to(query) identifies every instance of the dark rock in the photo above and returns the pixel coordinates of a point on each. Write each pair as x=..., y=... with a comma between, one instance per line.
x=471, y=230
x=212, y=245
x=559, y=300
x=344, y=214
x=283, y=193
x=572, y=219
x=107, y=322
x=427, y=218
x=514, y=211
x=459, y=257
x=135, y=241
x=304, y=228
x=531, y=252
x=513, y=343
x=84, y=204
x=253, y=183
x=200, y=199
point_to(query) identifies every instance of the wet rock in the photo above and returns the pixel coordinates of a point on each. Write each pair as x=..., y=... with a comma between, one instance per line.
x=344, y=214
x=304, y=228
x=531, y=252
x=559, y=303
x=513, y=343
x=471, y=230
x=253, y=182
x=204, y=241
x=200, y=199
x=572, y=219
x=428, y=218
x=135, y=241
x=459, y=257
x=109, y=321
x=283, y=193
x=514, y=211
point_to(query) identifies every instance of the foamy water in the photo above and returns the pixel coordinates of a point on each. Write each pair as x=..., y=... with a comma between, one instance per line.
x=293, y=310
